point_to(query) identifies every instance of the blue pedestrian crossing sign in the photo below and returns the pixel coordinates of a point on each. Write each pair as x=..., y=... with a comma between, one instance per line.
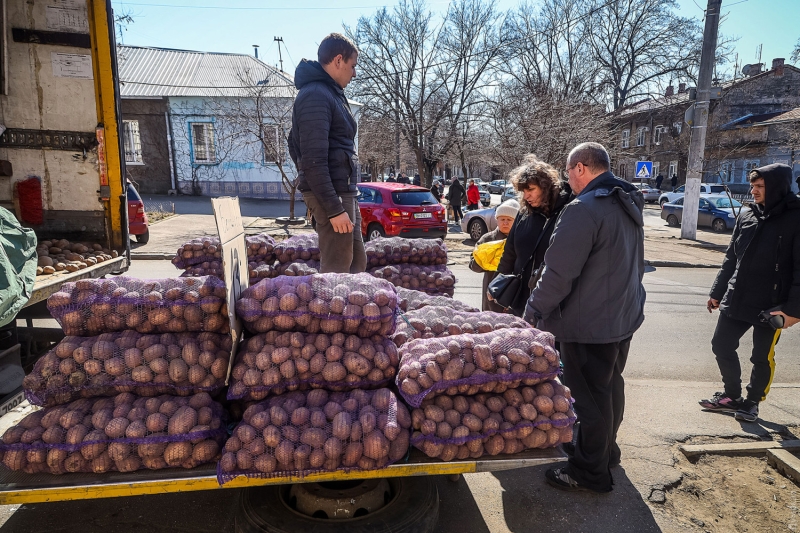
x=644, y=169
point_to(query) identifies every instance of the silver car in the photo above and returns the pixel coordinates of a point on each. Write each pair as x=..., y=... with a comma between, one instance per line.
x=508, y=194
x=651, y=194
x=478, y=222
x=497, y=186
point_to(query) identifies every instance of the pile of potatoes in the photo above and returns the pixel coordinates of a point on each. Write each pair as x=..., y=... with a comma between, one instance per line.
x=274, y=362
x=260, y=248
x=462, y=427
x=112, y=363
x=303, y=247
x=409, y=300
x=436, y=279
x=123, y=434
x=397, y=250
x=317, y=431
x=471, y=363
x=63, y=255
x=207, y=268
x=432, y=321
x=298, y=268
x=93, y=306
x=321, y=303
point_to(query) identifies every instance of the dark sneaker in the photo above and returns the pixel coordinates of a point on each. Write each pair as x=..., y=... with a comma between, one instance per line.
x=558, y=478
x=722, y=402
x=748, y=412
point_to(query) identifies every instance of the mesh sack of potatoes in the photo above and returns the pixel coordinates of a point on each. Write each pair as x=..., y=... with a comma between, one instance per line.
x=274, y=362
x=207, y=268
x=122, y=434
x=63, y=255
x=409, y=300
x=92, y=306
x=437, y=279
x=432, y=321
x=260, y=249
x=397, y=250
x=321, y=303
x=472, y=363
x=298, y=268
x=461, y=427
x=144, y=364
x=306, y=432
x=303, y=247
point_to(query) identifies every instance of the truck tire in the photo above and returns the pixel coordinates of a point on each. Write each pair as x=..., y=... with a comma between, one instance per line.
x=413, y=509
x=144, y=237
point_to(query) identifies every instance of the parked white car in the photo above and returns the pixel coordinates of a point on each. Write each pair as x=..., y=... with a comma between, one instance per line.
x=705, y=188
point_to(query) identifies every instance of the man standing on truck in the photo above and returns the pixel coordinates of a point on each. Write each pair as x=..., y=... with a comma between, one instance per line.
x=322, y=146
x=590, y=296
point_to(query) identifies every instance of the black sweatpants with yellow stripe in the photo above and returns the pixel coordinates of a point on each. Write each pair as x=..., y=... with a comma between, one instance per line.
x=724, y=344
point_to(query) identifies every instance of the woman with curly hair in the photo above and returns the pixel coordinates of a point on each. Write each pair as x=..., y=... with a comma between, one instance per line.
x=542, y=194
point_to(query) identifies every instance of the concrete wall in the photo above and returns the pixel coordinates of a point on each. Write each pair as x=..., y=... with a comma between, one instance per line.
x=152, y=176
x=40, y=100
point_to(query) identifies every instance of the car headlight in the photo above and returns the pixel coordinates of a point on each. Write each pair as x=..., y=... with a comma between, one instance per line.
x=731, y=215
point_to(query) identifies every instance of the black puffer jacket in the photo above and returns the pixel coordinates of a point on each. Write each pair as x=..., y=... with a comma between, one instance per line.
x=761, y=269
x=322, y=139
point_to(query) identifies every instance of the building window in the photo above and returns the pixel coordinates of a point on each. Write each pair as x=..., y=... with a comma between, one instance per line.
x=640, y=134
x=203, y=150
x=621, y=171
x=726, y=171
x=657, y=132
x=626, y=138
x=678, y=126
x=132, y=142
x=749, y=165
x=656, y=169
x=673, y=169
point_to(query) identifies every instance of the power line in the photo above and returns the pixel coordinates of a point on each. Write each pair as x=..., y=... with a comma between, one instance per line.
x=246, y=8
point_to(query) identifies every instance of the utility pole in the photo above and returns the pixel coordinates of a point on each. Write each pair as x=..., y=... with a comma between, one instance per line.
x=697, y=146
x=279, y=40
x=397, y=124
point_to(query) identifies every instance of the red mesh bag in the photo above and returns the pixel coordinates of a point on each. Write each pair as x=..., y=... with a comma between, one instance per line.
x=260, y=249
x=303, y=247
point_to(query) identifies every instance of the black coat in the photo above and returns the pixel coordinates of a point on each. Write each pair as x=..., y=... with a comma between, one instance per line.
x=761, y=269
x=322, y=139
x=456, y=194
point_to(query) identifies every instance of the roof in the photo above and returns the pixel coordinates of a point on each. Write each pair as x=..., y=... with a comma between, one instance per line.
x=787, y=116
x=148, y=71
x=392, y=186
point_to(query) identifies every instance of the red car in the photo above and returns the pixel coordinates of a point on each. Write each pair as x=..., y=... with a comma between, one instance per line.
x=137, y=218
x=400, y=210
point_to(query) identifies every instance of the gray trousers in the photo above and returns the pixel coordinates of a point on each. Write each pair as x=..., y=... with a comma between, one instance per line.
x=339, y=252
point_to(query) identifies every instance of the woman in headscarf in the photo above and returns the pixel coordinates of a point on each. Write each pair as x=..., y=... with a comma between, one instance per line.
x=505, y=215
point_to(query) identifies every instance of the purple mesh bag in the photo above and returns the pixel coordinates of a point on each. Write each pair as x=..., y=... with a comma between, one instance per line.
x=437, y=280
x=298, y=268
x=432, y=321
x=275, y=362
x=397, y=250
x=321, y=303
x=146, y=365
x=302, y=247
x=462, y=427
x=260, y=249
x=207, y=268
x=92, y=306
x=409, y=300
x=301, y=433
x=123, y=434
x=472, y=363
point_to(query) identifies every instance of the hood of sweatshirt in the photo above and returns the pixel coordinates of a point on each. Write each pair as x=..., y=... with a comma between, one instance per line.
x=630, y=198
x=777, y=186
x=310, y=71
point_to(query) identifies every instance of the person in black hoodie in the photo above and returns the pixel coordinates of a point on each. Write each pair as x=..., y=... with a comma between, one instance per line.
x=456, y=195
x=541, y=195
x=760, y=273
x=322, y=146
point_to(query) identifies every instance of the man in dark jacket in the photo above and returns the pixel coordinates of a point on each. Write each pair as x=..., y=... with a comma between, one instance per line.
x=590, y=296
x=456, y=195
x=322, y=146
x=761, y=272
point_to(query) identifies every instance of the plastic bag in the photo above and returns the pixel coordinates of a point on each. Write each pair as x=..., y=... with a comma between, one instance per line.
x=112, y=363
x=302, y=247
x=260, y=249
x=321, y=303
x=472, y=363
x=123, y=434
x=462, y=427
x=397, y=250
x=430, y=279
x=410, y=299
x=487, y=255
x=432, y=321
x=276, y=362
x=301, y=433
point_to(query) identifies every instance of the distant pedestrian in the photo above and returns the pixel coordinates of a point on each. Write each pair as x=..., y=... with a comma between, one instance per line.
x=505, y=215
x=322, y=146
x=417, y=180
x=590, y=296
x=473, y=195
x=674, y=181
x=456, y=195
x=403, y=179
x=659, y=180
x=391, y=179
x=436, y=192
x=759, y=278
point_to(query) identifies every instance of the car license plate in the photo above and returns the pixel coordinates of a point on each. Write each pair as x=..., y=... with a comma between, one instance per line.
x=423, y=215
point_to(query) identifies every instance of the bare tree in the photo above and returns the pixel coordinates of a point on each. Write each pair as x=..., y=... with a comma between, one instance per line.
x=376, y=140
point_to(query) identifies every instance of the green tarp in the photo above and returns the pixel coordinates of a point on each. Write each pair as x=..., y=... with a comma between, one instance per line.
x=17, y=265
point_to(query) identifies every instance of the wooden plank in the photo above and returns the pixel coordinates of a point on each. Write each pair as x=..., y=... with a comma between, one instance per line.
x=785, y=463
x=44, y=286
x=739, y=448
